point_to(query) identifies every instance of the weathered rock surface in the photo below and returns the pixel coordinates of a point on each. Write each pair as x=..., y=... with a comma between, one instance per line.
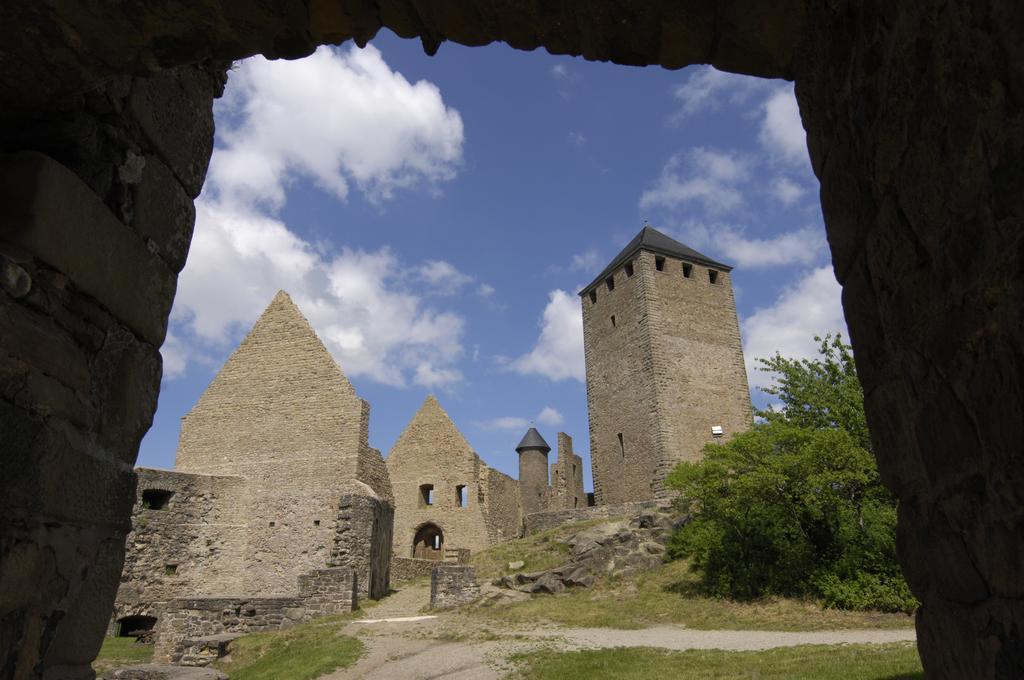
x=613, y=549
x=161, y=672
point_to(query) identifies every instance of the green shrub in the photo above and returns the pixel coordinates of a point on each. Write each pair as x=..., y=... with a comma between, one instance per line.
x=795, y=506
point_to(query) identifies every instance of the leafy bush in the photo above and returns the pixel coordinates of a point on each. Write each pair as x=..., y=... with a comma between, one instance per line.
x=795, y=506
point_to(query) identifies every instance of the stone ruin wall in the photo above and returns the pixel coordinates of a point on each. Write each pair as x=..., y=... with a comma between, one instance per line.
x=432, y=451
x=193, y=546
x=281, y=414
x=698, y=361
x=362, y=540
x=184, y=621
x=501, y=502
x=567, y=477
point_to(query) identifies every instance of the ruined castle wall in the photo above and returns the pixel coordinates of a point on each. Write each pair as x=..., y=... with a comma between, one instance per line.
x=621, y=386
x=502, y=505
x=190, y=544
x=362, y=540
x=567, y=478
x=431, y=451
x=698, y=361
x=281, y=414
x=371, y=468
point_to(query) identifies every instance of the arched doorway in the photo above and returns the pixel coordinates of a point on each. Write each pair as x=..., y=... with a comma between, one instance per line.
x=428, y=544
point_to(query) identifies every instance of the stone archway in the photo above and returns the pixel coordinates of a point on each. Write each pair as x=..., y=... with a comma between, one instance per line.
x=915, y=121
x=428, y=543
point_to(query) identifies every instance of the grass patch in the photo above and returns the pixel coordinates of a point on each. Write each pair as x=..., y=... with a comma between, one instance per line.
x=301, y=653
x=121, y=651
x=544, y=550
x=671, y=594
x=897, y=661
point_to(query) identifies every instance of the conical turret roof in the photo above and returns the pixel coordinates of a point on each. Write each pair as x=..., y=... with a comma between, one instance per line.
x=532, y=440
x=653, y=240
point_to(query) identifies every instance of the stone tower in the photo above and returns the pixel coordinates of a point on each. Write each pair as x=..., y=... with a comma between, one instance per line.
x=664, y=365
x=533, y=471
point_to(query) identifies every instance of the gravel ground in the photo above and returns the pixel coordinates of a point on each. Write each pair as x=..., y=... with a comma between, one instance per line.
x=448, y=647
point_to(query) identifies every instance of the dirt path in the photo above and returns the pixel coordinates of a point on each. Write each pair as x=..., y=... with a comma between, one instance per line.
x=451, y=647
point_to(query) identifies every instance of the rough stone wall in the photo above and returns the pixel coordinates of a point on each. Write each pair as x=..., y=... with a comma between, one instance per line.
x=405, y=569
x=698, y=361
x=501, y=502
x=193, y=547
x=453, y=585
x=915, y=119
x=95, y=226
x=432, y=451
x=567, y=478
x=281, y=414
x=667, y=368
x=362, y=540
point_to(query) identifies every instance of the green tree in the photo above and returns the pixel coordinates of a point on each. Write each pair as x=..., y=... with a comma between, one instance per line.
x=795, y=505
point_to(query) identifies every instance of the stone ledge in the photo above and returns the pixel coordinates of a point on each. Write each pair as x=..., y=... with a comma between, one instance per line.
x=55, y=216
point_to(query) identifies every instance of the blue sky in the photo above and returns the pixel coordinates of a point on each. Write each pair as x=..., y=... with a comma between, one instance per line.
x=434, y=218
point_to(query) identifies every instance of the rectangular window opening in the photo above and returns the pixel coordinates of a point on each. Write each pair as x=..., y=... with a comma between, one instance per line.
x=460, y=495
x=613, y=321
x=622, y=446
x=593, y=297
x=712, y=276
x=426, y=495
x=273, y=524
x=170, y=569
x=687, y=270
x=610, y=282
x=659, y=264
x=629, y=269
x=156, y=499
x=316, y=522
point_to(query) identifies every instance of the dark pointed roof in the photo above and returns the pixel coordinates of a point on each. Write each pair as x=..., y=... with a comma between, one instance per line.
x=532, y=440
x=653, y=240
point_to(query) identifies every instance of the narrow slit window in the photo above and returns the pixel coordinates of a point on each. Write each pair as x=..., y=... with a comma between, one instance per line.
x=712, y=276
x=426, y=495
x=610, y=282
x=156, y=499
x=629, y=269
x=613, y=321
x=622, y=446
x=659, y=264
x=460, y=495
x=687, y=270
x=593, y=297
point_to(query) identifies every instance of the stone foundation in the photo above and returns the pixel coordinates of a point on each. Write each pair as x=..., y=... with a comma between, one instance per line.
x=187, y=625
x=453, y=585
x=405, y=569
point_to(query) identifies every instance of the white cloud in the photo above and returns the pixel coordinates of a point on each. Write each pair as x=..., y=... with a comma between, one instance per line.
x=442, y=277
x=782, y=133
x=810, y=307
x=559, y=71
x=485, y=290
x=706, y=88
x=506, y=423
x=175, y=360
x=558, y=353
x=550, y=416
x=786, y=191
x=801, y=246
x=704, y=176
x=586, y=261
x=577, y=139
x=336, y=117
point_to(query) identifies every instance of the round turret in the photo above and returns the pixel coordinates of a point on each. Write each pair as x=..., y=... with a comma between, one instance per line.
x=533, y=471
